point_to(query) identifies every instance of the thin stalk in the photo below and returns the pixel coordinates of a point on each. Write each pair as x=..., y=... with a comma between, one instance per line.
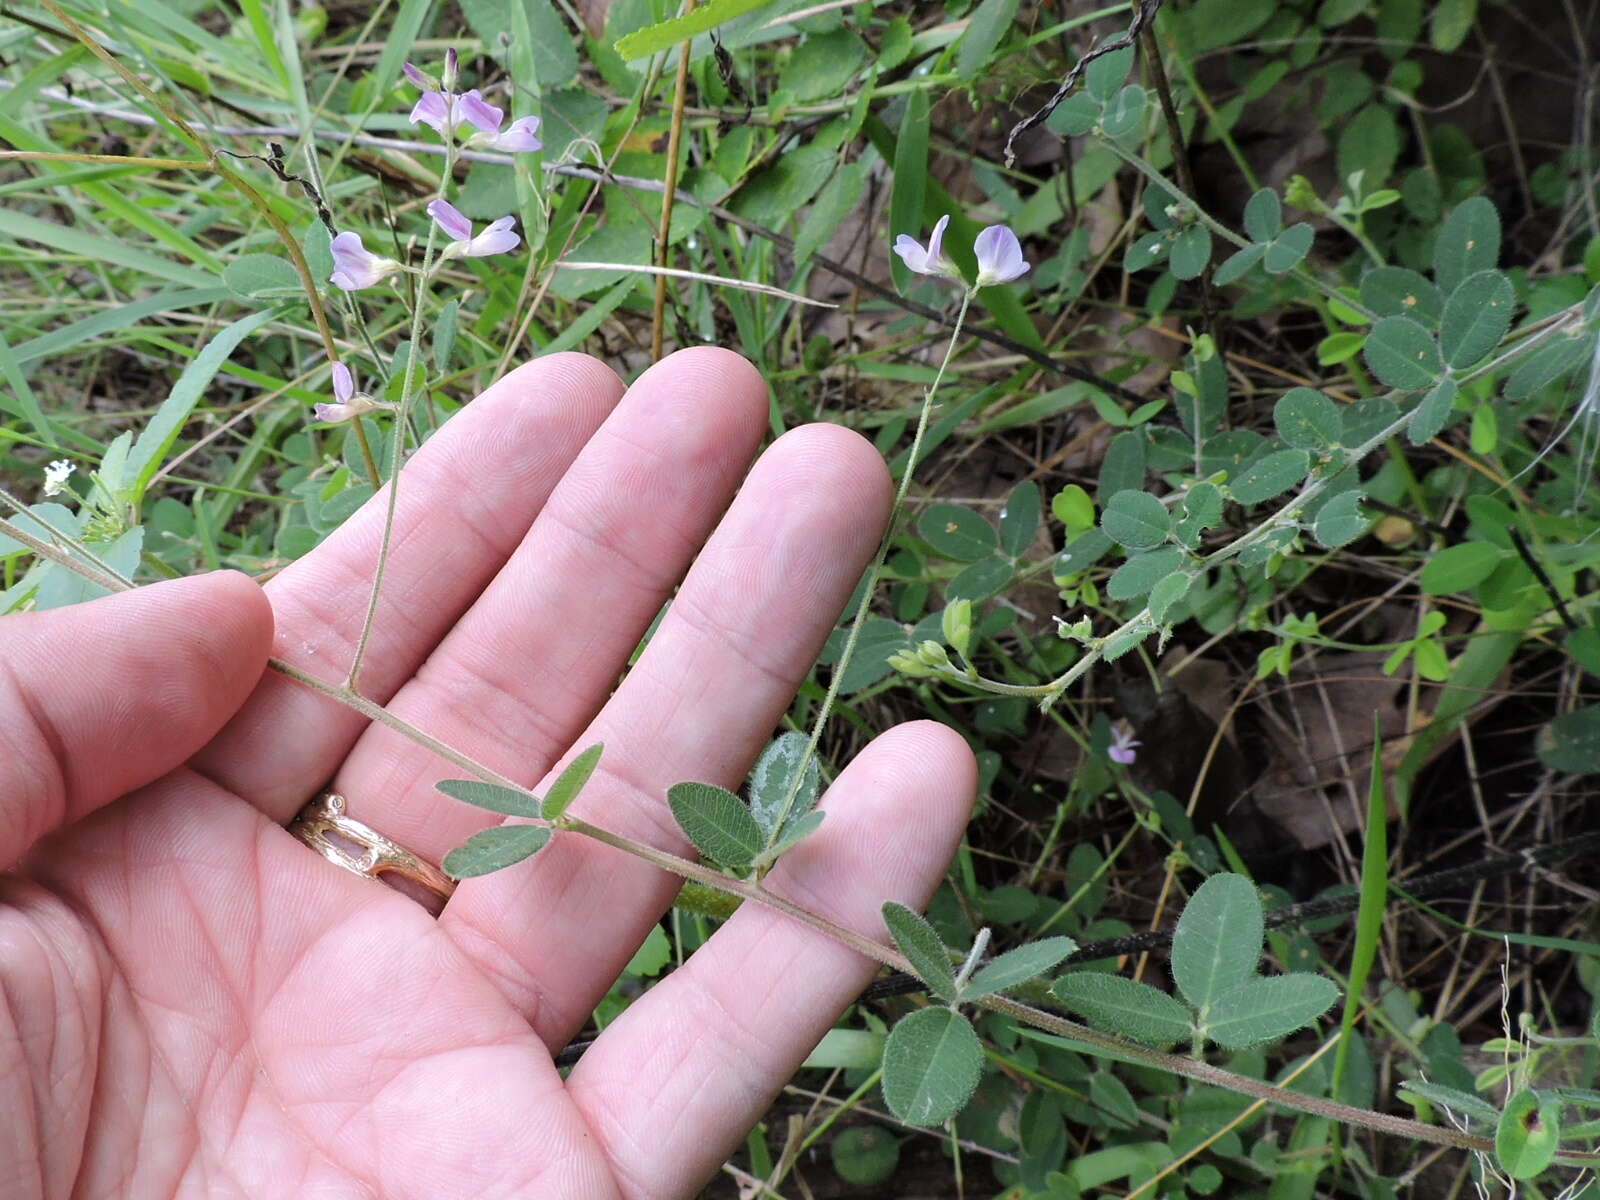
x=414, y=357
x=680, y=93
x=873, y=573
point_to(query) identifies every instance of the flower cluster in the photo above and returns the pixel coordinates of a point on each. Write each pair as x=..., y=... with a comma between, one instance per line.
x=998, y=252
x=445, y=111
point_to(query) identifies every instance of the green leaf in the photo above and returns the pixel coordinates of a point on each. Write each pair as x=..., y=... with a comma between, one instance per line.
x=957, y=532
x=1202, y=508
x=1218, y=940
x=865, y=1156
x=1125, y=1006
x=1019, y=519
x=1168, y=592
x=1136, y=519
x=1476, y=317
x=571, y=781
x=1263, y=215
x=1123, y=466
x=1285, y=251
x=1073, y=508
x=262, y=277
x=1266, y=1009
x=1571, y=742
x=1399, y=292
x=666, y=34
x=822, y=64
x=795, y=831
x=931, y=1065
x=1432, y=413
x=1142, y=572
x=1270, y=475
x=987, y=25
x=1238, y=264
x=1124, y=117
x=773, y=776
x=1369, y=142
x=1468, y=241
x=1340, y=521
x=1017, y=967
x=1544, y=366
x=491, y=796
x=910, y=182
x=151, y=448
x=1449, y=22
x=920, y=943
x=39, y=520
x=1075, y=115
x=836, y=201
x=493, y=849
x=1103, y=77
x=1306, y=419
x=1528, y=1135
x=1403, y=354
x=980, y=580
x=444, y=334
x=1191, y=251
x=717, y=822
x=1457, y=568
x=1465, y=1103
x=1147, y=251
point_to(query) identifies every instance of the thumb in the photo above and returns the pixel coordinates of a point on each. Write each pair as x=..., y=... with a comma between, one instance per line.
x=100, y=698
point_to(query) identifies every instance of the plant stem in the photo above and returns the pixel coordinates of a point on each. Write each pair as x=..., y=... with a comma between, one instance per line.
x=873, y=572
x=414, y=359
x=680, y=93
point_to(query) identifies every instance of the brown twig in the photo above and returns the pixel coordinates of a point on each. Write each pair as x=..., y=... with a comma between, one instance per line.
x=1144, y=12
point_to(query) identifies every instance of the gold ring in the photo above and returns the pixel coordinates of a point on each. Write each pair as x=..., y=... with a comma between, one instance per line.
x=344, y=841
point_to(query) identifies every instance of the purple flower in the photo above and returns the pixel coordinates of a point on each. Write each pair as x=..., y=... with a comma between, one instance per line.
x=355, y=267
x=496, y=238
x=486, y=118
x=350, y=403
x=931, y=260
x=419, y=78
x=999, y=259
x=437, y=109
x=1122, y=740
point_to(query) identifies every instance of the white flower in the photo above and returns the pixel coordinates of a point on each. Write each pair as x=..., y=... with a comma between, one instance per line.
x=55, y=476
x=999, y=256
x=929, y=260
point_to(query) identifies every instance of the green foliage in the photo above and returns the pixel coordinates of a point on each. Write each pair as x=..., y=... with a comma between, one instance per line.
x=1218, y=440
x=495, y=849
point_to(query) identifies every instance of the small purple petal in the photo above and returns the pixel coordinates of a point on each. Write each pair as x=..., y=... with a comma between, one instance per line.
x=999, y=256
x=1123, y=755
x=911, y=253
x=417, y=77
x=432, y=109
x=333, y=412
x=456, y=227
x=497, y=238
x=452, y=65
x=479, y=112
x=344, y=385
x=518, y=137
x=354, y=266
x=936, y=240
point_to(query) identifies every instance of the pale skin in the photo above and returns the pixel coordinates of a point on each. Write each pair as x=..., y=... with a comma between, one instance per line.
x=194, y=1003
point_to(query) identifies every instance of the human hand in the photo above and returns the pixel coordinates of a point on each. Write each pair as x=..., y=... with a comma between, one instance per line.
x=194, y=1002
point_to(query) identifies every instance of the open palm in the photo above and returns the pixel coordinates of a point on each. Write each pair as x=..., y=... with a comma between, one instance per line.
x=193, y=1002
